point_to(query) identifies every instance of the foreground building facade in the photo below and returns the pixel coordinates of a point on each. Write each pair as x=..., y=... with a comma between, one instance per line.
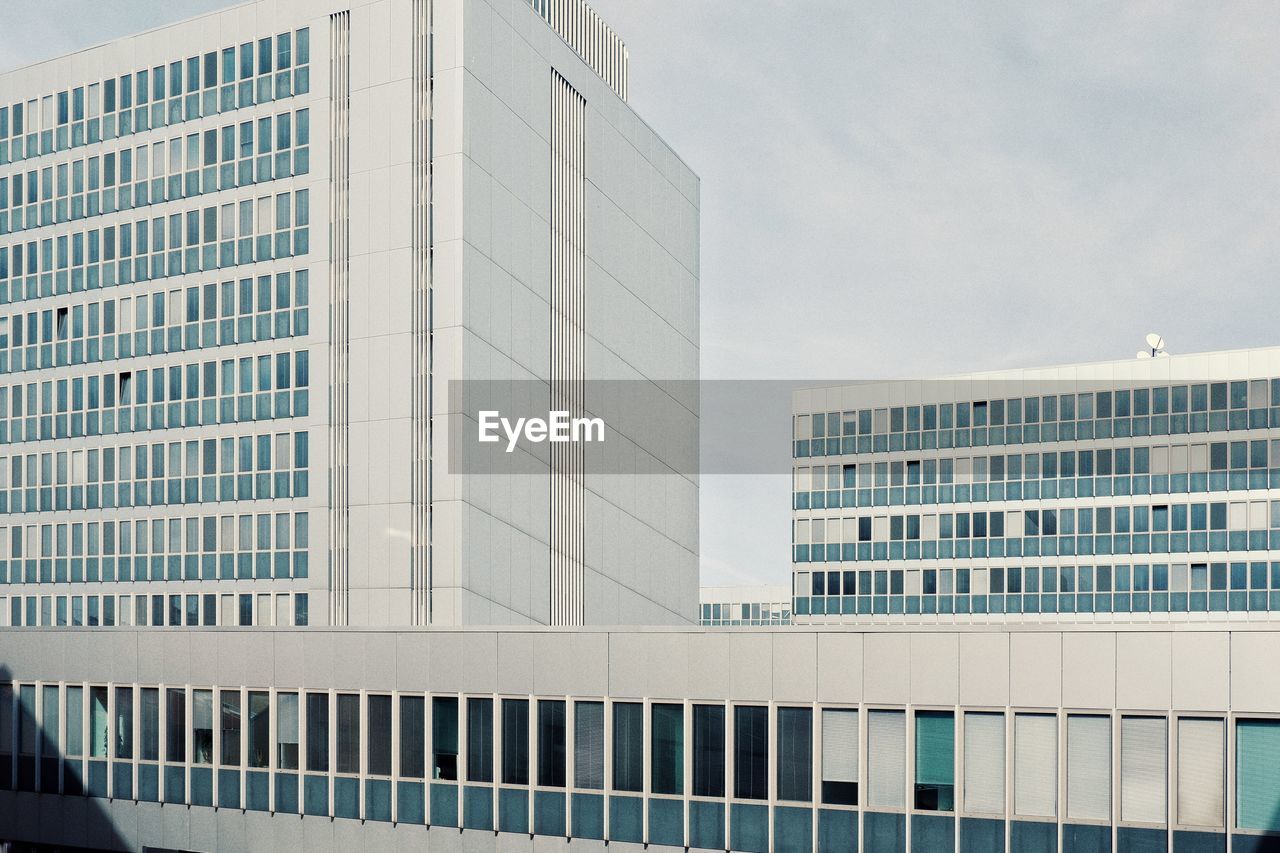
x=242, y=260
x=883, y=740
x=1132, y=491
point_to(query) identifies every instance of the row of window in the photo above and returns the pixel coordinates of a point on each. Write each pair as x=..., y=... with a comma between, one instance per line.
x=247, y=389
x=219, y=81
x=1122, y=589
x=228, y=158
x=746, y=613
x=228, y=547
x=251, y=310
x=270, y=227
x=264, y=466
x=190, y=610
x=667, y=768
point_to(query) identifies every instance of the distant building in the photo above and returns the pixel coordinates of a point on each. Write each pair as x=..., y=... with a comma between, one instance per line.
x=746, y=605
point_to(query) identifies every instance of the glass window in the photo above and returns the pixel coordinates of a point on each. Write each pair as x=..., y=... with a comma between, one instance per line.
x=124, y=723
x=287, y=731
x=318, y=732
x=202, y=727
x=1088, y=767
x=378, y=737
x=667, y=751
x=176, y=725
x=348, y=733
x=708, y=750
x=984, y=763
x=479, y=739
x=75, y=722
x=515, y=742
x=1035, y=765
x=935, y=761
x=840, y=756
x=795, y=754
x=1143, y=770
x=551, y=743
x=413, y=733
x=628, y=746
x=230, y=725
x=148, y=723
x=444, y=738
x=886, y=759
x=1201, y=772
x=588, y=745
x=751, y=752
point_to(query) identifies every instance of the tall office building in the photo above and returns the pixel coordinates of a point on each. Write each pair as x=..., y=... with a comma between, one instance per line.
x=246, y=259
x=1129, y=491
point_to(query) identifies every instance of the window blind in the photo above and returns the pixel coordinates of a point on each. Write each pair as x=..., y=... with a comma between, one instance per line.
x=839, y=745
x=984, y=763
x=588, y=745
x=750, y=752
x=708, y=750
x=628, y=746
x=479, y=739
x=515, y=741
x=1201, y=772
x=886, y=759
x=1143, y=769
x=1258, y=774
x=1035, y=765
x=1088, y=767
x=935, y=748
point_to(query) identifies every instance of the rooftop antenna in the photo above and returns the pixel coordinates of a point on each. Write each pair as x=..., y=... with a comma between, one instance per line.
x=1155, y=347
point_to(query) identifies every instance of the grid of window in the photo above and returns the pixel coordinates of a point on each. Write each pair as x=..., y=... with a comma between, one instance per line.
x=187, y=609
x=233, y=156
x=755, y=613
x=220, y=81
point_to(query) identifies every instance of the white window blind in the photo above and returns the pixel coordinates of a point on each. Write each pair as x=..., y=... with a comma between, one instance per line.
x=1143, y=752
x=1088, y=767
x=588, y=743
x=886, y=758
x=1035, y=765
x=839, y=745
x=1201, y=773
x=984, y=763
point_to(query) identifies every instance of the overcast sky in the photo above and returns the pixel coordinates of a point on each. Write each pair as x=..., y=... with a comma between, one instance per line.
x=901, y=188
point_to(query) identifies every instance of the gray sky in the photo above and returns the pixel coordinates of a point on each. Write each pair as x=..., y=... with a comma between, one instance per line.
x=901, y=188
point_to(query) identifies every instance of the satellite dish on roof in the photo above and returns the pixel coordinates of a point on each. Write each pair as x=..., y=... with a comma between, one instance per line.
x=1155, y=344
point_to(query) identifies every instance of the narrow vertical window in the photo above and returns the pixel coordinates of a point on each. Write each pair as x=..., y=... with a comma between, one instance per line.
x=230, y=727
x=1035, y=765
x=444, y=738
x=935, y=761
x=840, y=756
x=984, y=763
x=667, y=751
x=551, y=743
x=379, y=736
x=751, y=752
x=318, y=732
x=287, y=731
x=348, y=733
x=588, y=745
x=886, y=759
x=628, y=746
x=148, y=724
x=259, y=728
x=708, y=750
x=412, y=737
x=515, y=742
x=1143, y=769
x=795, y=754
x=1088, y=767
x=124, y=723
x=202, y=727
x=479, y=740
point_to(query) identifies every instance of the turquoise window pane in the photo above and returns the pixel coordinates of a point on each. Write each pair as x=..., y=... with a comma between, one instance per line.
x=884, y=833
x=706, y=825
x=377, y=804
x=287, y=793
x=666, y=822
x=549, y=813
x=149, y=783
x=792, y=830
x=932, y=832
x=978, y=835
x=837, y=831
x=1095, y=839
x=175, y=785
x=201, y=786
x=477, y=808
x=1258, y=774
x=749, y=828
x=315, y=790
x=346, y=798
x=229, y=789
x=409, y=802
x=935, y=760
x=444, y=805
x=588, y=816
x=256, y=791
x=513, y=811
x=626, y=819
x=1029, y=837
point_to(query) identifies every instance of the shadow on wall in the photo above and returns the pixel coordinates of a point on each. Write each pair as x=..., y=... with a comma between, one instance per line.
x=47, y=772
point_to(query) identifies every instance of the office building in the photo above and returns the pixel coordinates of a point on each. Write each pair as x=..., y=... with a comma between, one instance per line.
x=1128, y=491
x=751, y=605
x=878, y=739
x=246, y=259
